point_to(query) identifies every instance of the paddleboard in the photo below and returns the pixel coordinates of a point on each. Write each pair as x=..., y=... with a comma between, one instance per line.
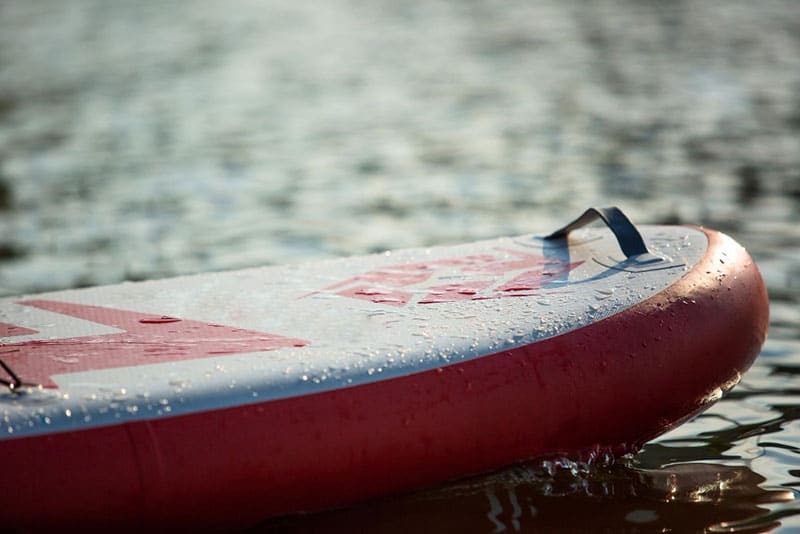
x=220, y=399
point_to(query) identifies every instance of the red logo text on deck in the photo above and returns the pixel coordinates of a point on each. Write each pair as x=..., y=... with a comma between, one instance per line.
x=514, y=273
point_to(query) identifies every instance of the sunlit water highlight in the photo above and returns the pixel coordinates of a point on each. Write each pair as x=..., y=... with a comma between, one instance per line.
x=147, y=139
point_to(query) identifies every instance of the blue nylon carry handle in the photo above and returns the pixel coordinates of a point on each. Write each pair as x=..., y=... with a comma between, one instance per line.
x=628, y=237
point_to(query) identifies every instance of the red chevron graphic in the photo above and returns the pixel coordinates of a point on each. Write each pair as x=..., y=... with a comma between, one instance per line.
x=146, y=339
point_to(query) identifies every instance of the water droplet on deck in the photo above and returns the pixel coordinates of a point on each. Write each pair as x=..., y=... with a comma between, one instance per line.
x=64, y=359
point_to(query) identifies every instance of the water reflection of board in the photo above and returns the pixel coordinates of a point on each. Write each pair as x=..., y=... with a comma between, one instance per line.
x=221, y=399
x=678, y=498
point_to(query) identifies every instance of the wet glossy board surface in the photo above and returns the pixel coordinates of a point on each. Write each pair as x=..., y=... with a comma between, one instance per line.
x=145, y=350
x=595, y=385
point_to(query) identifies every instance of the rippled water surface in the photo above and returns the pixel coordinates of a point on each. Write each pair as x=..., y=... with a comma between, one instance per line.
x=147, y=139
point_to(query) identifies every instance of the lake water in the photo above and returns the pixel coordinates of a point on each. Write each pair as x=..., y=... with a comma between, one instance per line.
x=147, y=139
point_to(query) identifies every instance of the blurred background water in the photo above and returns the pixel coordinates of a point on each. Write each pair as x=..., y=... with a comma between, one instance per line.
x=147, y=139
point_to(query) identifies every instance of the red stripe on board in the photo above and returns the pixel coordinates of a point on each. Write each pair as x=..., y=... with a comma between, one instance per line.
x=10, y=330
x=147, y=339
